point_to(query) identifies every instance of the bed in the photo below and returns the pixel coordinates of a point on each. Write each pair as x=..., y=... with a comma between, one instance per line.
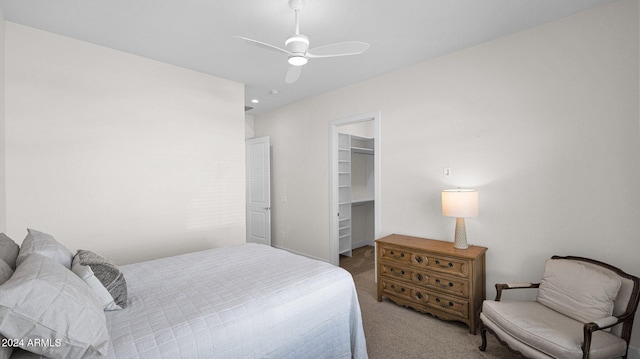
x=244, y=301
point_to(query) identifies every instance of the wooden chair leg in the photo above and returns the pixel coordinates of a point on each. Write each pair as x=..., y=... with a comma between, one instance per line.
x=483, y=334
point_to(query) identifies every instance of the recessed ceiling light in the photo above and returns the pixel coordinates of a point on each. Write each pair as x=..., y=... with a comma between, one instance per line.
x=255, y=100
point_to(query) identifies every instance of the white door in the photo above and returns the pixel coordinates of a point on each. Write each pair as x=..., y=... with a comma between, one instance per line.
x=258, y=190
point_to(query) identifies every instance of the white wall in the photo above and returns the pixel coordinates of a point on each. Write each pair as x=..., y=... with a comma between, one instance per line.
x=119, y=154
x=2, y=131
x=248, y=126
x=544, y=123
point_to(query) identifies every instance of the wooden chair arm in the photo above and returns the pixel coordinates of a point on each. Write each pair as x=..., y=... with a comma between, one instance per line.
x=604, y=323
x=514, y=285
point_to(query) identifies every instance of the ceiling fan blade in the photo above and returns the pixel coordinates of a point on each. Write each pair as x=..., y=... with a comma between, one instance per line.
x=339, y=49
x=293, y=74
x=263, y=45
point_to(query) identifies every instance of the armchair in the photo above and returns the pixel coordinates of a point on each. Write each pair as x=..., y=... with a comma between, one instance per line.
x=584, y=309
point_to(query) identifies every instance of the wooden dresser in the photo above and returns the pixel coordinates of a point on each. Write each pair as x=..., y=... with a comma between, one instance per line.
x=432, y=277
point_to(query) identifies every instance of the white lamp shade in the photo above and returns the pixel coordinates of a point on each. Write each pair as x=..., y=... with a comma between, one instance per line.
x=460, y=203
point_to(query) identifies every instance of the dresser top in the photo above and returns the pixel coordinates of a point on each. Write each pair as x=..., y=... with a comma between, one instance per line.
x=433, y=245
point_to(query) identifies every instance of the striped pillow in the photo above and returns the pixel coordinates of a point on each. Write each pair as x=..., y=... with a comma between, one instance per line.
x=90, y=266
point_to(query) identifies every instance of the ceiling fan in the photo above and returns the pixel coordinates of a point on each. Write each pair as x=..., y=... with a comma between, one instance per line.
x=297, y=47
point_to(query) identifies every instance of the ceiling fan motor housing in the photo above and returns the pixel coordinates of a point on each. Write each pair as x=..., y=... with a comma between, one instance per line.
x=297, y=5
x=297, y=44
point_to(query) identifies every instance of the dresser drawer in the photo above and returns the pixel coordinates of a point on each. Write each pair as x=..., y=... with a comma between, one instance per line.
x=395, y=255
x=404, y=291
x=455, y=286
x=425, y=278
x=429, y=301
x=417, y=277
x=450, y=305
x=452, y=266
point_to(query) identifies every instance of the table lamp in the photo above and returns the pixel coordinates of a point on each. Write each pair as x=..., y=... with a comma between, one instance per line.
x=460, y=203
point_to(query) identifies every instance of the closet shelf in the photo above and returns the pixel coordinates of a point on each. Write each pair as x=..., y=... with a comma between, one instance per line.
x=361, y=201
x=355, y=175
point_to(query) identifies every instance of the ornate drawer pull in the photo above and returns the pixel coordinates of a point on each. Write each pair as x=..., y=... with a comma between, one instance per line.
x=419, y=259
x=397, y=256
x=450, y=304
x=401, y=290
x=418, y=295
x=396, y=272
x=442, y=265
x=450, y=284
x=419, y=276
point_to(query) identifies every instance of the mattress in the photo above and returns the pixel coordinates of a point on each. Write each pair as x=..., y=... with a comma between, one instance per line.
x=247, y=301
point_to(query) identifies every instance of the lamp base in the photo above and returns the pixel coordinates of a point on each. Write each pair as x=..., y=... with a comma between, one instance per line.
x=460, y=241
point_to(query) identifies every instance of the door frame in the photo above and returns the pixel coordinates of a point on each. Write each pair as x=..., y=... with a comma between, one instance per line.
x=334, y=256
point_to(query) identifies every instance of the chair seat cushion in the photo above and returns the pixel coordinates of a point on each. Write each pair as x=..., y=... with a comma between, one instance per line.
x=549, y=331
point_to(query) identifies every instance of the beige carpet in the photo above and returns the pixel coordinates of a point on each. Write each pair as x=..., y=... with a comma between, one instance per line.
x=393, y=331
x=361, y=260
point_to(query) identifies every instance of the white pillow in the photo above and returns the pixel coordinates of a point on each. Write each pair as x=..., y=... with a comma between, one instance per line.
x=45, y=301
x=45, y=244
x=577, y=291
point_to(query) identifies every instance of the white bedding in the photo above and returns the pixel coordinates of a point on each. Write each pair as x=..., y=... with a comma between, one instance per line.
x=247, y=301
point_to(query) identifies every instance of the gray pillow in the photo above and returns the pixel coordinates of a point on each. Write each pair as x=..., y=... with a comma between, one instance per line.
x=45, y=244
x=107, y=273
x=5, y=351
x=8, y=250
x=23, y=354
x=45, y=301
x=5, y=273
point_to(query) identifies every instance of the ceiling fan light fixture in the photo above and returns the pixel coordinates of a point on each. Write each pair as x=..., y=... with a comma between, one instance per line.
x=297, y=60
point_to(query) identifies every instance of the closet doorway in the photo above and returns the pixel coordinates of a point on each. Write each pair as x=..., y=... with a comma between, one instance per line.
x=354, y=178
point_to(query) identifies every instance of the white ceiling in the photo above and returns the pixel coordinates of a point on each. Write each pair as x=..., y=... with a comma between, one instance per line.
x=198, y=34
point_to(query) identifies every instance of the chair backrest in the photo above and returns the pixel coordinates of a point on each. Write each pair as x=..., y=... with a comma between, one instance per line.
x=628, y=295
